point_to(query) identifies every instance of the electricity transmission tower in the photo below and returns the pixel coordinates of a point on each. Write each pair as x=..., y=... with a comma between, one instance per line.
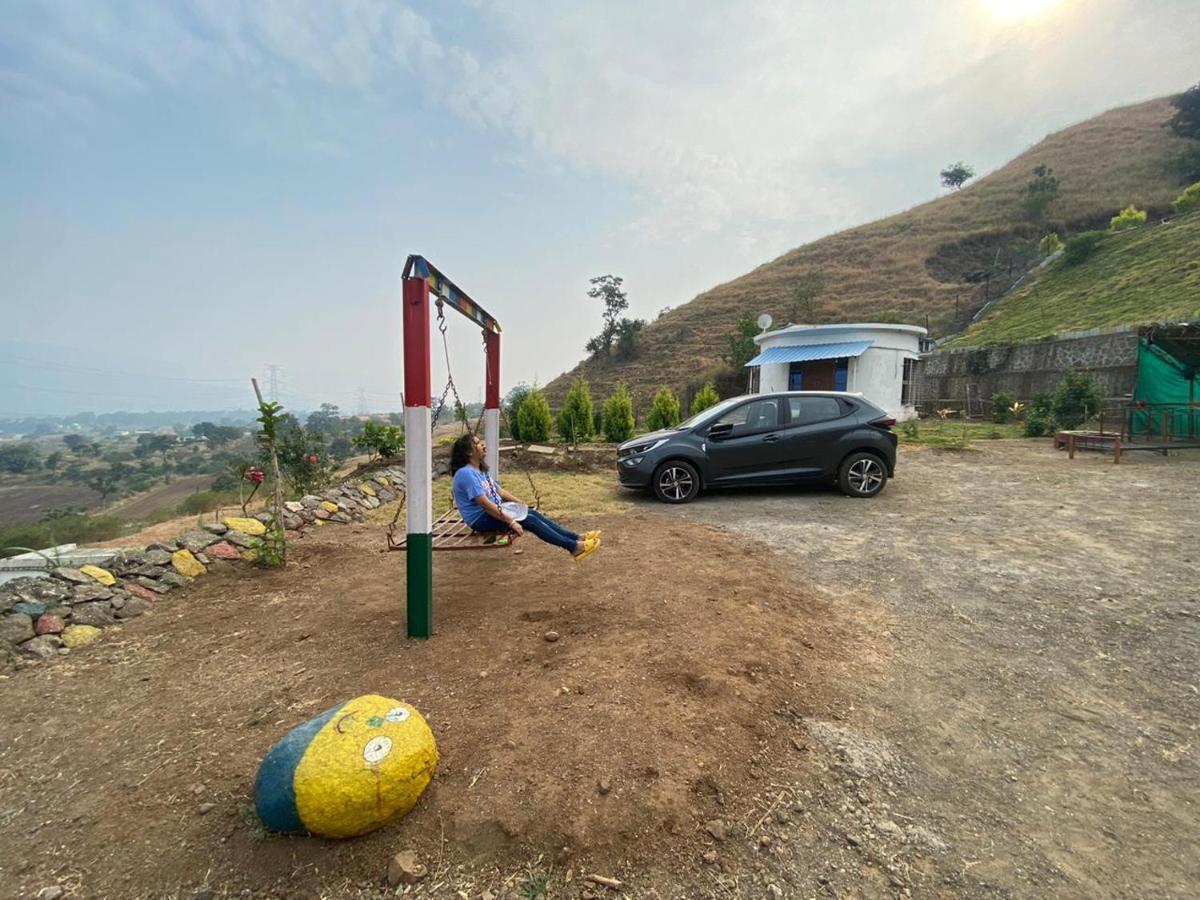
x=273, y=381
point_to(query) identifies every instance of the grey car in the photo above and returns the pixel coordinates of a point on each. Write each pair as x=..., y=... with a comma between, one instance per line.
x=766, y=439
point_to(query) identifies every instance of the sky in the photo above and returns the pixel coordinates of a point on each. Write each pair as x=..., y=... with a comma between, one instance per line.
x=192, y=190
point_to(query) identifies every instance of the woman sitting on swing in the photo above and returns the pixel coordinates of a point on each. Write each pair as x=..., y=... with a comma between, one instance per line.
x=479, y=498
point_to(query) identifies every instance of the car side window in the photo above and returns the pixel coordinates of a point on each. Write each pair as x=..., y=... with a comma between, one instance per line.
x=749, y=418
x=810, y=410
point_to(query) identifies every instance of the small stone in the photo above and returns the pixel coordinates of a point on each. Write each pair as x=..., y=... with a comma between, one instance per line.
x=195, y=540
x=96, y=573
x=888, y=827
x=48, y=624
x=217, y=528
x=205, y=808
x=132, y=608
x=341, y=518
x=291, y=523
x=293, y=506
x=149, y=584
x=265, y=517
x=16, y=628
x=239, y=539
x=405, y=869
x=550, y=636
x=97, y=615
x=710, y=857
x=223, y=550
x=716, y=829
x=161, y=548
x=89, y=593
x=798, y=744
x=245, y=526
x=322, y=514
x=33, y=610
x=138, y=591
x=158, y=555
x=782, y=817
x=76, y=636
x=53, y=892
x=604, y=785
x=764, y=841
x=147, y=571
x=186, y=564
x=75, y=576
x=44, y=647
x=203, y=893
x=774, y=892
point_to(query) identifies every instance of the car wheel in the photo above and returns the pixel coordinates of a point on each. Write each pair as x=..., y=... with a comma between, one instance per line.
x=862, y=475
x=676, y=482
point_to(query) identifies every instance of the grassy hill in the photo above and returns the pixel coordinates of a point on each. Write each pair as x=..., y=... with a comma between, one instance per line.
x=1151, y=274
x=910, y=266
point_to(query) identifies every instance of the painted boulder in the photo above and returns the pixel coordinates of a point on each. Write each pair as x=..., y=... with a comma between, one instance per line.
x=347, y=771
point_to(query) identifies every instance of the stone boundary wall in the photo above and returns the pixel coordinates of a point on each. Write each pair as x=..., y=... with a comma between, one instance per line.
x=58, y=611
x=1032, y=367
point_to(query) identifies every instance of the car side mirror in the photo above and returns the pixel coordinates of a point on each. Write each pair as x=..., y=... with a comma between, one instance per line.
x=720, y=430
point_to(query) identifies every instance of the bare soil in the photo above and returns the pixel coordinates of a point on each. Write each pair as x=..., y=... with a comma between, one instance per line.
x=982, y=683
x=163, y=496
x=30, y=501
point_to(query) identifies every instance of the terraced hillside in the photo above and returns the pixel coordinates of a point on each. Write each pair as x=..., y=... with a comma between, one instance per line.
x=1151, y=274
x=910, y=266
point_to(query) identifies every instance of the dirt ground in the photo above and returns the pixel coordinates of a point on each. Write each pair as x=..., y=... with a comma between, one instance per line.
x=982, y=683
x=30, y=501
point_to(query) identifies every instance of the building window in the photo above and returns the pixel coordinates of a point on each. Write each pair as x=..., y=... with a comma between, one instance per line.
x=908, y=386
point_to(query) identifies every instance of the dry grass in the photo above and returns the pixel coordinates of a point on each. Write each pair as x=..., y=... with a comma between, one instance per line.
x=882, y=271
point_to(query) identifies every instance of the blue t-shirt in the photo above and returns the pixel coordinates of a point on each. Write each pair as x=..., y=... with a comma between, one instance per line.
x=468, y=484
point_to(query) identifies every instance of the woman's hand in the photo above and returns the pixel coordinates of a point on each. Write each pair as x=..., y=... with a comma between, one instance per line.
x=516, y=528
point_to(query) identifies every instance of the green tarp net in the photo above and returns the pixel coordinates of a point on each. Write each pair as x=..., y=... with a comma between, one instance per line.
x=1166, y=385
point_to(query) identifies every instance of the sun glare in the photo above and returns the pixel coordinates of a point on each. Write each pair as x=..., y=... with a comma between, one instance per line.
x=1015, y=10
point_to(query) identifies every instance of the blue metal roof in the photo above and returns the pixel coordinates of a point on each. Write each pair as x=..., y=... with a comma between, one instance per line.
x=808, y=352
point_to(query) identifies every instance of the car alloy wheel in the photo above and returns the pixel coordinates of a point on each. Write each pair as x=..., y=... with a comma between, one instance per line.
x=866, y=476
x=676, y=482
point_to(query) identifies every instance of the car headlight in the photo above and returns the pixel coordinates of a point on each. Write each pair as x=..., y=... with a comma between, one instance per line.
x=644, y=448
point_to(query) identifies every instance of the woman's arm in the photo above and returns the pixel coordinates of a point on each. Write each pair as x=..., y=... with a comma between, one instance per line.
x=497, y=513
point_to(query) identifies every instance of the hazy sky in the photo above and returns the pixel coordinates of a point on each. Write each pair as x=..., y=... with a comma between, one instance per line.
x=190, y=190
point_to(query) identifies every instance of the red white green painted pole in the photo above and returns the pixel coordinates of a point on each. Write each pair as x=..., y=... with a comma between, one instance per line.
x=491, y=404
x=418, y=457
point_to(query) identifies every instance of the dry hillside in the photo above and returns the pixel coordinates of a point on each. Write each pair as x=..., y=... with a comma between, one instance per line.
x=910, y=266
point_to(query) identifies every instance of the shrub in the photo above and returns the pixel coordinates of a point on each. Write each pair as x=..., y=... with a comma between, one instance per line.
x=1080, y=246
x=618, y=416
x=575, y=418
x=533, y=417
x=512, y=409
x=1050, y=244
x=383, y=441
x=1076, y=399
x=1129, y=217
x=303, y=462
x=706, y=397
x=1039, y=421
x=1188, y=200
x=1038, y=426
x=1002, y=407
x=664, y=411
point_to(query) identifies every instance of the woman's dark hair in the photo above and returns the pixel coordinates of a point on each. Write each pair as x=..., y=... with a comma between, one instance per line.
x=460, y=453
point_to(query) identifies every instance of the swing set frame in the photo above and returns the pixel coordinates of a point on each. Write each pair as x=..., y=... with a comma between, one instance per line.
x=420, y=280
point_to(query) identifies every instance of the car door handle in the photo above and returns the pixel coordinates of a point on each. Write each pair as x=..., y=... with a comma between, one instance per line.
x=770, y=438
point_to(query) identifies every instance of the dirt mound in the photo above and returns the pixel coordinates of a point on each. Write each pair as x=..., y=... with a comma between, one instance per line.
x=684, y=664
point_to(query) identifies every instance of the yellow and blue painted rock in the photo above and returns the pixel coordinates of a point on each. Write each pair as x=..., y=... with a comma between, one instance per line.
x=347, y=771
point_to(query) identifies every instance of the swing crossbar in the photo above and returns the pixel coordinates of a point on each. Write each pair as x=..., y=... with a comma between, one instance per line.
x=450, y=532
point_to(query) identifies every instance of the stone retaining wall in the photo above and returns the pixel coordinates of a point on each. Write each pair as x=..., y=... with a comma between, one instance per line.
x=1032, y=367
x=53, y=613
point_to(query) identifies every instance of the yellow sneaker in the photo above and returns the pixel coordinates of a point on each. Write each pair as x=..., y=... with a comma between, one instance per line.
x=590, y=546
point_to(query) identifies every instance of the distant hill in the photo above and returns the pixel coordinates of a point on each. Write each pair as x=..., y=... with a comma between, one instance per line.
x=1151, y=274
x=909, y=267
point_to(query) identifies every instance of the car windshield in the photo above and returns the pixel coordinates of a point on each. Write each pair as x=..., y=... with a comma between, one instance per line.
x=705, y=413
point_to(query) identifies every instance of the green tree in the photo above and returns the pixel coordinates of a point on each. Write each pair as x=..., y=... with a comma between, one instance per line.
x=512, y=409
x=327, y=420
x=1188, y=200
x=1002, y=407
x=1186, y=165
x=805, y=291
x=1186, y=120
x=1040, y=193
x=1050, y=244
x=1129, y=217
x=18, y=458
x=217, y=435
x=955, y=175
x=381, y=441
x=54, y=460
x=628, y=332
x=304, y=462
x=664, y=411
x=1076, y=399
x=619, y=421
x=741, y=344
x=575, y=418
x=76, y=443
x=607, y=288
x=534, y=419
x=108, y=480
x=705, y=397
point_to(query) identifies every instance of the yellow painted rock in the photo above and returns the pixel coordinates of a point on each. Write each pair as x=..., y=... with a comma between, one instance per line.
x=79, y=635
x=250, y=555
x=367, y=489
x=186, y=564
x=103, y=576
x=245, y=526
x=348, y=771
x=329, y=506
x=382, y=481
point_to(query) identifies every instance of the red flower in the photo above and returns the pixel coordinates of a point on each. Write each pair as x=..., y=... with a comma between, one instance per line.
x=312, y=459
x=255, y=475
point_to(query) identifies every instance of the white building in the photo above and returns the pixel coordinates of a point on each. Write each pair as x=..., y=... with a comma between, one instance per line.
x=877, y=361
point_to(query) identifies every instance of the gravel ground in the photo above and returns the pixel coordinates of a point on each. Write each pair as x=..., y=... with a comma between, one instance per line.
x=1038, y=713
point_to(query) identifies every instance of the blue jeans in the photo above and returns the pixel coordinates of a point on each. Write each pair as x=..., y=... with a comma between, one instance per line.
x=535, y=523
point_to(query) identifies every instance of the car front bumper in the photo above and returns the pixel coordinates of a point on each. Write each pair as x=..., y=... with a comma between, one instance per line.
x=635, y=472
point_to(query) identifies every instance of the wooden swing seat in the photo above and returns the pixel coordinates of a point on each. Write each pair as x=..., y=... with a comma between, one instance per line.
x=450, y=532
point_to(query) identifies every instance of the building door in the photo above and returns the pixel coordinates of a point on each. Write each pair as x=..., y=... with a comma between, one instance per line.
x=818, y=375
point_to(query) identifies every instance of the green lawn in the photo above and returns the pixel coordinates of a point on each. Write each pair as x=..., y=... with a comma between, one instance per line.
x=1151, y=274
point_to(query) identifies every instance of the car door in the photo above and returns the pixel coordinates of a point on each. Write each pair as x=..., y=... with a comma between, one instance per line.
x=811, y=431
x=744, y=445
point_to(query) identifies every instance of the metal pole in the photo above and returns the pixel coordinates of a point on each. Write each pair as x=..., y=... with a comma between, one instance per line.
x=418, y=457
x=491, y=404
